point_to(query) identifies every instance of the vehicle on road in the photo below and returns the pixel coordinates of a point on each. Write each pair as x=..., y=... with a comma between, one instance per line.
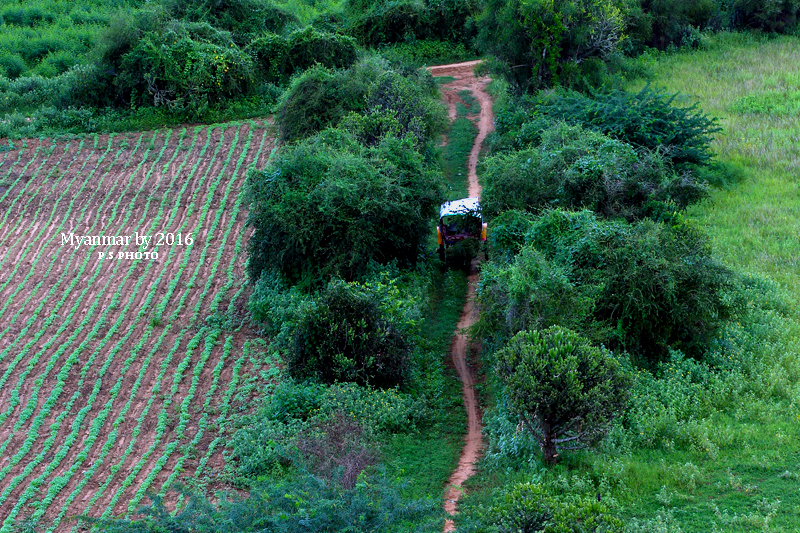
x=459, y=222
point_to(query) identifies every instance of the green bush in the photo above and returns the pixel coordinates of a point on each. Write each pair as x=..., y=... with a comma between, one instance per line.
x=564, y=390
x=185, y=67
x=21, y=16
x=308, y=47
x=665, y=23
x=12, y=65
x=426, y=52
x=270, y=54
x=296, y=505
x=328, y=206
x=393, y=103
x=350, y=335
x=279, y=57
x=387, y=21
x=768, y=15
x=267, y=441
x=576, y=169
x=240, y=17
x=376, y=23
x=608, y=280
x=647, y=119
x=312, y=103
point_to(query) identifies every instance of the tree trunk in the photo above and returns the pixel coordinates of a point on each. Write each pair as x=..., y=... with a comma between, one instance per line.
x=549, y=446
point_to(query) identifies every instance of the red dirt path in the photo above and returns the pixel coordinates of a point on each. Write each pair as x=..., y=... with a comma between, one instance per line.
x=465, y=79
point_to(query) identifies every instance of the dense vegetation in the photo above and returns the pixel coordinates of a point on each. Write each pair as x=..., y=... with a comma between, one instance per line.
x=597, y=270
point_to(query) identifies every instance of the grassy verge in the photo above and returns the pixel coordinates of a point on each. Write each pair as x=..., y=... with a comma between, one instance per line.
x=426, y=459
x=460, y=139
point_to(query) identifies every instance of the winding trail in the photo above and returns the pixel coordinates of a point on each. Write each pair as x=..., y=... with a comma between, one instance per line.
x=466, y=79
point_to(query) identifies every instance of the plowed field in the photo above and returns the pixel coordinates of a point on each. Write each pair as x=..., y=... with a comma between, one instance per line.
x=119, y=362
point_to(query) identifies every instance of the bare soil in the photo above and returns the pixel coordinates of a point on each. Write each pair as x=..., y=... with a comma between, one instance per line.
x=465, y=79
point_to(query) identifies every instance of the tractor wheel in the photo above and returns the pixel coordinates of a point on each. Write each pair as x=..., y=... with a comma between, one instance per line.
x=442, y=253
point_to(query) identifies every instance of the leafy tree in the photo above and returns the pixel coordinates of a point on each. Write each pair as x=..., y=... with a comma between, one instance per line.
x=647, y=119
x=328, y=206
x=540, y=43
x=566, y=391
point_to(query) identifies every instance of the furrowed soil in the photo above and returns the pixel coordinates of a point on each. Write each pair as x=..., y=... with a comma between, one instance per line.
x=465, y=79
x=117, y=374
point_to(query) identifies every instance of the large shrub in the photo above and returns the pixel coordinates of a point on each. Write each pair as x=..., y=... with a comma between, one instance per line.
x=308, y=47
x=240, y=17
x=391, y=102
x=540, y=44
x=641, y=288
x=405, y=21
x=533, y=508
x=574, y=168
x=328, y=206
x=350, y=335
x=648, y=119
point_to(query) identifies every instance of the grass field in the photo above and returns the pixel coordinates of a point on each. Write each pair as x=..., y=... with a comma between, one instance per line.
x=118, y=374
x=752, y=85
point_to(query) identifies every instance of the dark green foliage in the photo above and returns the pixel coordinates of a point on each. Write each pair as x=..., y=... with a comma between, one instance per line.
x=646, y=119
x=308, y=47
x=240, y=17
x=328, y=206
x=426, y=52
x=270, y=54
x=380, y=22
x=574, y=169
x=388, y=22
x=22, y=16
x=312, y=102
x=297, y=505
x=11, y=65
x=660, y=23
x=540, y=44
x=768, y=15
x=410, y=104
x=385, y=103
x=349, y=336
x=532, y=508
x=566, y=391
x=506, y=234
x=279, y=57
x=641, y=288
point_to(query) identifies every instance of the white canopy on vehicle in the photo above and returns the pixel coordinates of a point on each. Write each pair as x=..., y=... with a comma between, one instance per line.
x=460, y=207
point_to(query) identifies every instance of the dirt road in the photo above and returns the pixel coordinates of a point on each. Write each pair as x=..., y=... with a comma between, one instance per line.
x=465, y=79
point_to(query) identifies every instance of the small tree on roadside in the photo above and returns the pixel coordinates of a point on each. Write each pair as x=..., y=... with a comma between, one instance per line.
x=566, y=391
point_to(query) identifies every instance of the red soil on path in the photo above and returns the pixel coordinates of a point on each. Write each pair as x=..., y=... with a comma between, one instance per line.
x=465, y=80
